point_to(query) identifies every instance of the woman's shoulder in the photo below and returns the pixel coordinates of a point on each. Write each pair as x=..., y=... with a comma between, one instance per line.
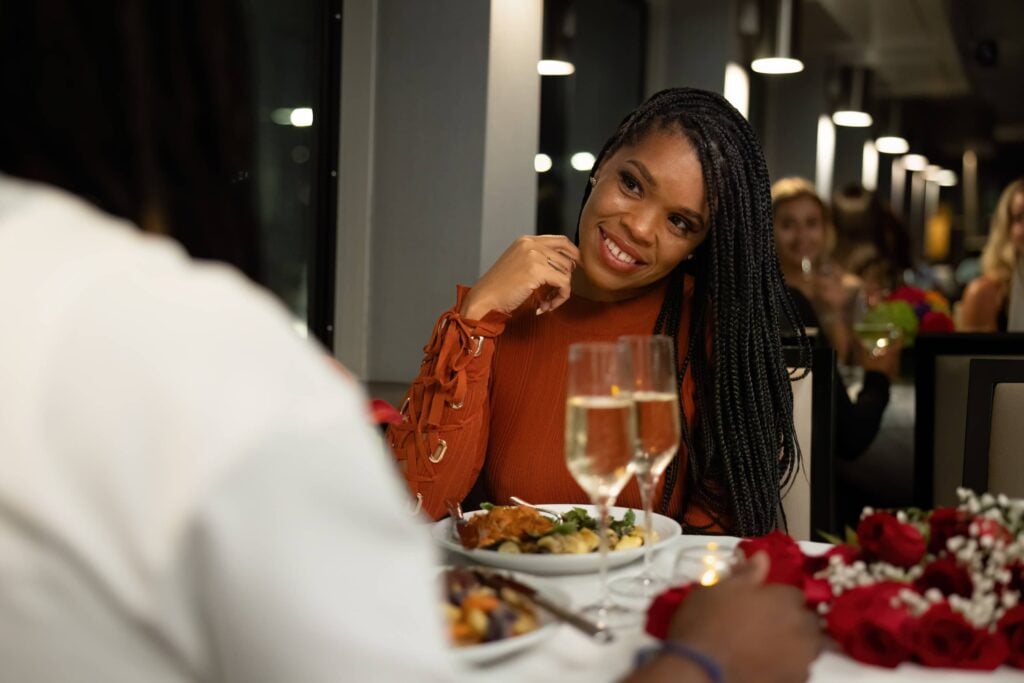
x=983, y=287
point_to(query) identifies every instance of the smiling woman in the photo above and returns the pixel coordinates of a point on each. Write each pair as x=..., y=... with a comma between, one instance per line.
x=674, y=237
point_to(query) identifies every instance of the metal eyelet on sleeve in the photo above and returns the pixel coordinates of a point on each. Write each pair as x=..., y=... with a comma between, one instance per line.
x=457, y=406
x=439, y=451
x=479, y=346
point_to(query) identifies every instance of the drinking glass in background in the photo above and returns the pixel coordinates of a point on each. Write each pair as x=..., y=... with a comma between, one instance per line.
x=600, y=438
x=876, y=338
x=653, y=386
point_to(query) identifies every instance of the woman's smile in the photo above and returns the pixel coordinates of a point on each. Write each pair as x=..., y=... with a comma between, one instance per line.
x=619, y=255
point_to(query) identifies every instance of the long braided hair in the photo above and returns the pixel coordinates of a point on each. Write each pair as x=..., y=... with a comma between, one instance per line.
x=741, y=452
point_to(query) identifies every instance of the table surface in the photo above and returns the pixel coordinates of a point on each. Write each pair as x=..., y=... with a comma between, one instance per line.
x=569, y=656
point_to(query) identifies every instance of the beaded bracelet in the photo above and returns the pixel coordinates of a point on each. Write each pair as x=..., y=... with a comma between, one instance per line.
x=712, y=668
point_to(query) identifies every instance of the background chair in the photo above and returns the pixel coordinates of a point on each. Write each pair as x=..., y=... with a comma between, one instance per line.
x=941, y=374
x=809, y=502
x=994, y=438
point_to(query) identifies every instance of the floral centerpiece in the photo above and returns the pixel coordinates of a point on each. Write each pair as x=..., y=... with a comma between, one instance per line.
x=940, y=588
x=913, y=310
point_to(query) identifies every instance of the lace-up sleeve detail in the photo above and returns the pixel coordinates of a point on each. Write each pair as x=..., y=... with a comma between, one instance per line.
x=442, y=439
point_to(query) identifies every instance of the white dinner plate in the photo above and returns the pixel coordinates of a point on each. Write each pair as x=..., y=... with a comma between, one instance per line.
x=484, y=653
x=665, y=527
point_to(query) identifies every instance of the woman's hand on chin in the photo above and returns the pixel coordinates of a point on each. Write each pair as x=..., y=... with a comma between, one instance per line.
x=540, y=264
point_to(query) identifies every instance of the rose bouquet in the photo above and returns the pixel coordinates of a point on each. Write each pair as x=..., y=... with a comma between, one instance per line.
x=941, y=588
x=912, y=310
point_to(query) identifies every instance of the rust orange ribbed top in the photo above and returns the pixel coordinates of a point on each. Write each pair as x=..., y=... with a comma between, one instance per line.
x=510, y=426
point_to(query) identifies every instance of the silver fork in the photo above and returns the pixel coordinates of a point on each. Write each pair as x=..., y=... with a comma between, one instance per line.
x=544, y=511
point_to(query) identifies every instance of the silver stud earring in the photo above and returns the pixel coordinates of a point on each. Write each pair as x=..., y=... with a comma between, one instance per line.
x=593, y=181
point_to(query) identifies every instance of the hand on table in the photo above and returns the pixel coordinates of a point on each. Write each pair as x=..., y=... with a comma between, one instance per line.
x=755, y=632
x=541, y=264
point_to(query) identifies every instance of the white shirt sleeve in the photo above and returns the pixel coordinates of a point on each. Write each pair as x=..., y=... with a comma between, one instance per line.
x=311, y=571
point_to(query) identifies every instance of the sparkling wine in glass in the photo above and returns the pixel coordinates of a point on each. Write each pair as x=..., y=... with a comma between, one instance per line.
x=653, y=386
x=876, y=338
x=600, y=439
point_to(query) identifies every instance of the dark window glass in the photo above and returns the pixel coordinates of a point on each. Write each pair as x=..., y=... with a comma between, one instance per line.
x=295, y=50
x=606, y=42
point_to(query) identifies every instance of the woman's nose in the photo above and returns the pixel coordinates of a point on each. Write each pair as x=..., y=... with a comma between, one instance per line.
x=641, y=226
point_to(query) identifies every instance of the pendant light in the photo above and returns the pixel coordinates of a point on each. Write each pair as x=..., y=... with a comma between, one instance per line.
x=559, y=30
x=851, y=91
x=890, y=138
x=776, y=51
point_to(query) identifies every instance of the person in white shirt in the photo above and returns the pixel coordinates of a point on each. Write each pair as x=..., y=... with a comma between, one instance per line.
x=189, y=492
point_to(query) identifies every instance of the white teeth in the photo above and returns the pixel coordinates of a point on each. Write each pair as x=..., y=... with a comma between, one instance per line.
x=618, y=253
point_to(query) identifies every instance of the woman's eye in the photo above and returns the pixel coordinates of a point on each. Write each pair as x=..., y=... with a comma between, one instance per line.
x=680, y=223
x=629, y=182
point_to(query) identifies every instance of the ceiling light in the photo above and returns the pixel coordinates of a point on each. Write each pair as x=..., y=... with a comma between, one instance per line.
x=555, y=67
x=542, y=163
x=776, y=51
x=915, y=162
x=892, y=144
x=848, y=94
x=777, y=65
x=582, y=161
x=301, y=117
x=851, y=118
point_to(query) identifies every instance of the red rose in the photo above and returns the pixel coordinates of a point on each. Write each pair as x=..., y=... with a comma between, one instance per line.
x=815, y=563
x=383, y=412
x=661, y=611
x=946, y=575
x=945, y=639
x=787, y=560
x=912, y=295
x=1012, y=628
x=945, y=523
x=816, y=591
x=869, y=627
x=990, y=527
x=883, y=536
x=935, y=321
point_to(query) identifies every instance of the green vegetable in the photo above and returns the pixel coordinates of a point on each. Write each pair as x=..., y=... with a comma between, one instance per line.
x=899, y=313
x=487, y=506
x=580, y=519
x=624, y=526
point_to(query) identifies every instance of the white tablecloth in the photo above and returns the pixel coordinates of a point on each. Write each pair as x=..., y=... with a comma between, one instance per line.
x=569, y=656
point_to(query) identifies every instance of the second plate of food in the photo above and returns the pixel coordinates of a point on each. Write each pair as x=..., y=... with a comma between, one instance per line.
x=526, y=546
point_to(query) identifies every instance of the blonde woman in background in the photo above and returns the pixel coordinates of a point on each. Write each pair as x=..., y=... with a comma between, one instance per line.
x=992, y=302
x=805, y=238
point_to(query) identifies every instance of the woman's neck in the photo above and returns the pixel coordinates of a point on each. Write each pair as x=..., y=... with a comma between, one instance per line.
x=582, y=286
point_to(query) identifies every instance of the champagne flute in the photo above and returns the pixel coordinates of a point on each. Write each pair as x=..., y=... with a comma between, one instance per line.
x=656, y=397
x=600, y=437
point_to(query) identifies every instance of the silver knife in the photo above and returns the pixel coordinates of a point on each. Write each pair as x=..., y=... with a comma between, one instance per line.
x=499, y=581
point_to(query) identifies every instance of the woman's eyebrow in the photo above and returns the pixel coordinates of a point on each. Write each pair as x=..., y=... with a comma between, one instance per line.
x=643, y=171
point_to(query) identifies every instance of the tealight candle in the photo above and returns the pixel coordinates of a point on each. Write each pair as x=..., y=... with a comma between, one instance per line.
x=707, y=564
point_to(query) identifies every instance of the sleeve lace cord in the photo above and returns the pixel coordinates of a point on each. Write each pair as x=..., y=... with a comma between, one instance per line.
x=423, y=438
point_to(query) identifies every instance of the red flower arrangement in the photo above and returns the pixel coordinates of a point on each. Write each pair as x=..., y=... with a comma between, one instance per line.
x=913, y=311
x=941, y=588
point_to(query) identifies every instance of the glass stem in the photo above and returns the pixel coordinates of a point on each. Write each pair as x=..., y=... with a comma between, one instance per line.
x=646, y=483
x=602, y=511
